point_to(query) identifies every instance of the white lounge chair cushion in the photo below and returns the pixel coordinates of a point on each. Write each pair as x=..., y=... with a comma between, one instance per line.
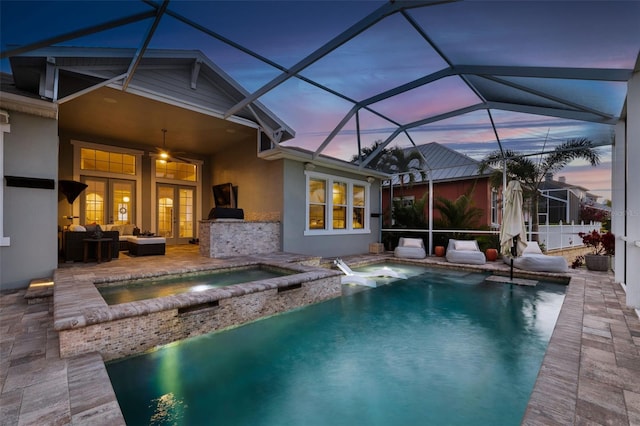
x=466, y=245
x=412, y=242
x=532, y=248
x=536, y=262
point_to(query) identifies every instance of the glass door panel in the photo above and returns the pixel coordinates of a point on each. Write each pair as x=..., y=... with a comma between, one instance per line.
x=165, y=211
x=94, y=201
x=176, y=213
x=122, y=196
x=186, y=217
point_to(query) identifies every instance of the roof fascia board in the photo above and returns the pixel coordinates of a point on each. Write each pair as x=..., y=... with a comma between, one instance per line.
x=112, y=52
x=281, y=152
x=91, y=89
x=235, y=85
x=182, y=104
x=37, y=107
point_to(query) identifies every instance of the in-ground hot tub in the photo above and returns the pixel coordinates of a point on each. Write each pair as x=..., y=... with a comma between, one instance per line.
x=167, y=285
x=86, y=323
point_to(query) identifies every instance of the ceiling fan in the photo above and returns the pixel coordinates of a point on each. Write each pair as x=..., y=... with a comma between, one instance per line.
x=167, y=155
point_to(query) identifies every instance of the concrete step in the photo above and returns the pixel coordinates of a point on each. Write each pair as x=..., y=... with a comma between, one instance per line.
x=40, y=290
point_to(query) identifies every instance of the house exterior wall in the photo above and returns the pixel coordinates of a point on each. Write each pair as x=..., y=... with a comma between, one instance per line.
x=450, y=190
x=294, y=217
x=30, y=150
x=259, y=181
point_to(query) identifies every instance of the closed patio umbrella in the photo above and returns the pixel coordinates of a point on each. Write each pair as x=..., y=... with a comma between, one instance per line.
x=512, y=231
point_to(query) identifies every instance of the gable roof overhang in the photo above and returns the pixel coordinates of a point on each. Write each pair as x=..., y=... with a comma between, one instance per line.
x=181, y=90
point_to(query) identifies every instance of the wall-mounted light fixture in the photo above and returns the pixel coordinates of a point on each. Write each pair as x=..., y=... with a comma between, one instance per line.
x=371, y=179
x=309, y=166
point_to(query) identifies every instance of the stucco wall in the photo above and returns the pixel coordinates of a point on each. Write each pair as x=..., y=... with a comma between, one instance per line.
x=259, y=181
x=293, y=238
x=30, y=150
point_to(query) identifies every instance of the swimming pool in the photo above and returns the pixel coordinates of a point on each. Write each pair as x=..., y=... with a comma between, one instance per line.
x=443, y=347
x=151, y=288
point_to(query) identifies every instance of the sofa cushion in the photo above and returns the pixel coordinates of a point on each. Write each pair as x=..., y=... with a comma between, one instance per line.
x=466, y=245
x=127, y=229
x=77, y=228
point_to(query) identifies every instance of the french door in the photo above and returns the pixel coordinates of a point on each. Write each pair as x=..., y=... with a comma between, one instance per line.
x=108, y=201
x=176, y=208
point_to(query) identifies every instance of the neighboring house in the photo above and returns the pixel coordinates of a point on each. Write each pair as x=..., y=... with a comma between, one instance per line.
x=561, y=201
x=455, y=174
x=88, y=115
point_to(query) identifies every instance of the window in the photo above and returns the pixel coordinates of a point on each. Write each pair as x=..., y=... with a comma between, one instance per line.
x=342, y=210
x=173, y=170
x=104, y=161
x=317, y=204
x=494, y=206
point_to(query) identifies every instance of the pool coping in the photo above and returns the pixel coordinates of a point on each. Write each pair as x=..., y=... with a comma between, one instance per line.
x=590, y=372
x=70, y=288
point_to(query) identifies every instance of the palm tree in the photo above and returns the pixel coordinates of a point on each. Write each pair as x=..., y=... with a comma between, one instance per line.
x=377, y=162
x=406, y=164
x=531, y=173
x=460, y=213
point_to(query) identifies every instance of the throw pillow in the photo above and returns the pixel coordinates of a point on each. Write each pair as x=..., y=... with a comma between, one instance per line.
x=466, y=245
x=77, y=228
x=412, y=242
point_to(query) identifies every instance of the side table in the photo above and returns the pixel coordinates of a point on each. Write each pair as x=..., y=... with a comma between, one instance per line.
x=98, y=242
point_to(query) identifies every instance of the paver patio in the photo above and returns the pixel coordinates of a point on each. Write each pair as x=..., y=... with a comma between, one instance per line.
x=590, y=374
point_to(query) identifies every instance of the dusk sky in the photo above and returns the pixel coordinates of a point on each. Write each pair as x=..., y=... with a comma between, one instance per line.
x=594, y=34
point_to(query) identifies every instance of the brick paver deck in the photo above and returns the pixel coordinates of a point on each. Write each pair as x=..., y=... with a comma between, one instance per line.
x=590, y=374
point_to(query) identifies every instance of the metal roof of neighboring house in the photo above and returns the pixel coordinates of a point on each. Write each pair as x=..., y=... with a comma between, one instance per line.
x=444, y=164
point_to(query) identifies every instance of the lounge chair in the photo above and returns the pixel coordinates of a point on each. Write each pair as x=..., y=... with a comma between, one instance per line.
x=465, y=251
x=365, y=278
x=534, y=260
x=410, y=248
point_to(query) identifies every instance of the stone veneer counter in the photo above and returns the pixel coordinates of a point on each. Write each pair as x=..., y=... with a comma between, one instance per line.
x=87, y=324
x=235, y=237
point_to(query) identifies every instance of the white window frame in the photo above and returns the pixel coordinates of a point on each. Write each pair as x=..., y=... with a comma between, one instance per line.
x=137, y=177
x=330, y=179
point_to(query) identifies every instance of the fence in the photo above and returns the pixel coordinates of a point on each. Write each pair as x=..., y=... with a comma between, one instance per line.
x=562, y=236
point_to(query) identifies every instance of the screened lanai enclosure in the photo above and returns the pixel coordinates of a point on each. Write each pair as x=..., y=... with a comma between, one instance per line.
x=476, y=76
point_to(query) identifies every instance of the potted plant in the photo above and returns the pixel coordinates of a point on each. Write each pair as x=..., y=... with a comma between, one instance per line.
x=603, y=247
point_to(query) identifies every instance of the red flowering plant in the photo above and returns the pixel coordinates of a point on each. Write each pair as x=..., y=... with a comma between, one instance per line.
x=602, y=244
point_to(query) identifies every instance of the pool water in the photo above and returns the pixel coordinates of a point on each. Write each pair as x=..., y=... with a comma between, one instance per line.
x=441, y=348
x=130, y=291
